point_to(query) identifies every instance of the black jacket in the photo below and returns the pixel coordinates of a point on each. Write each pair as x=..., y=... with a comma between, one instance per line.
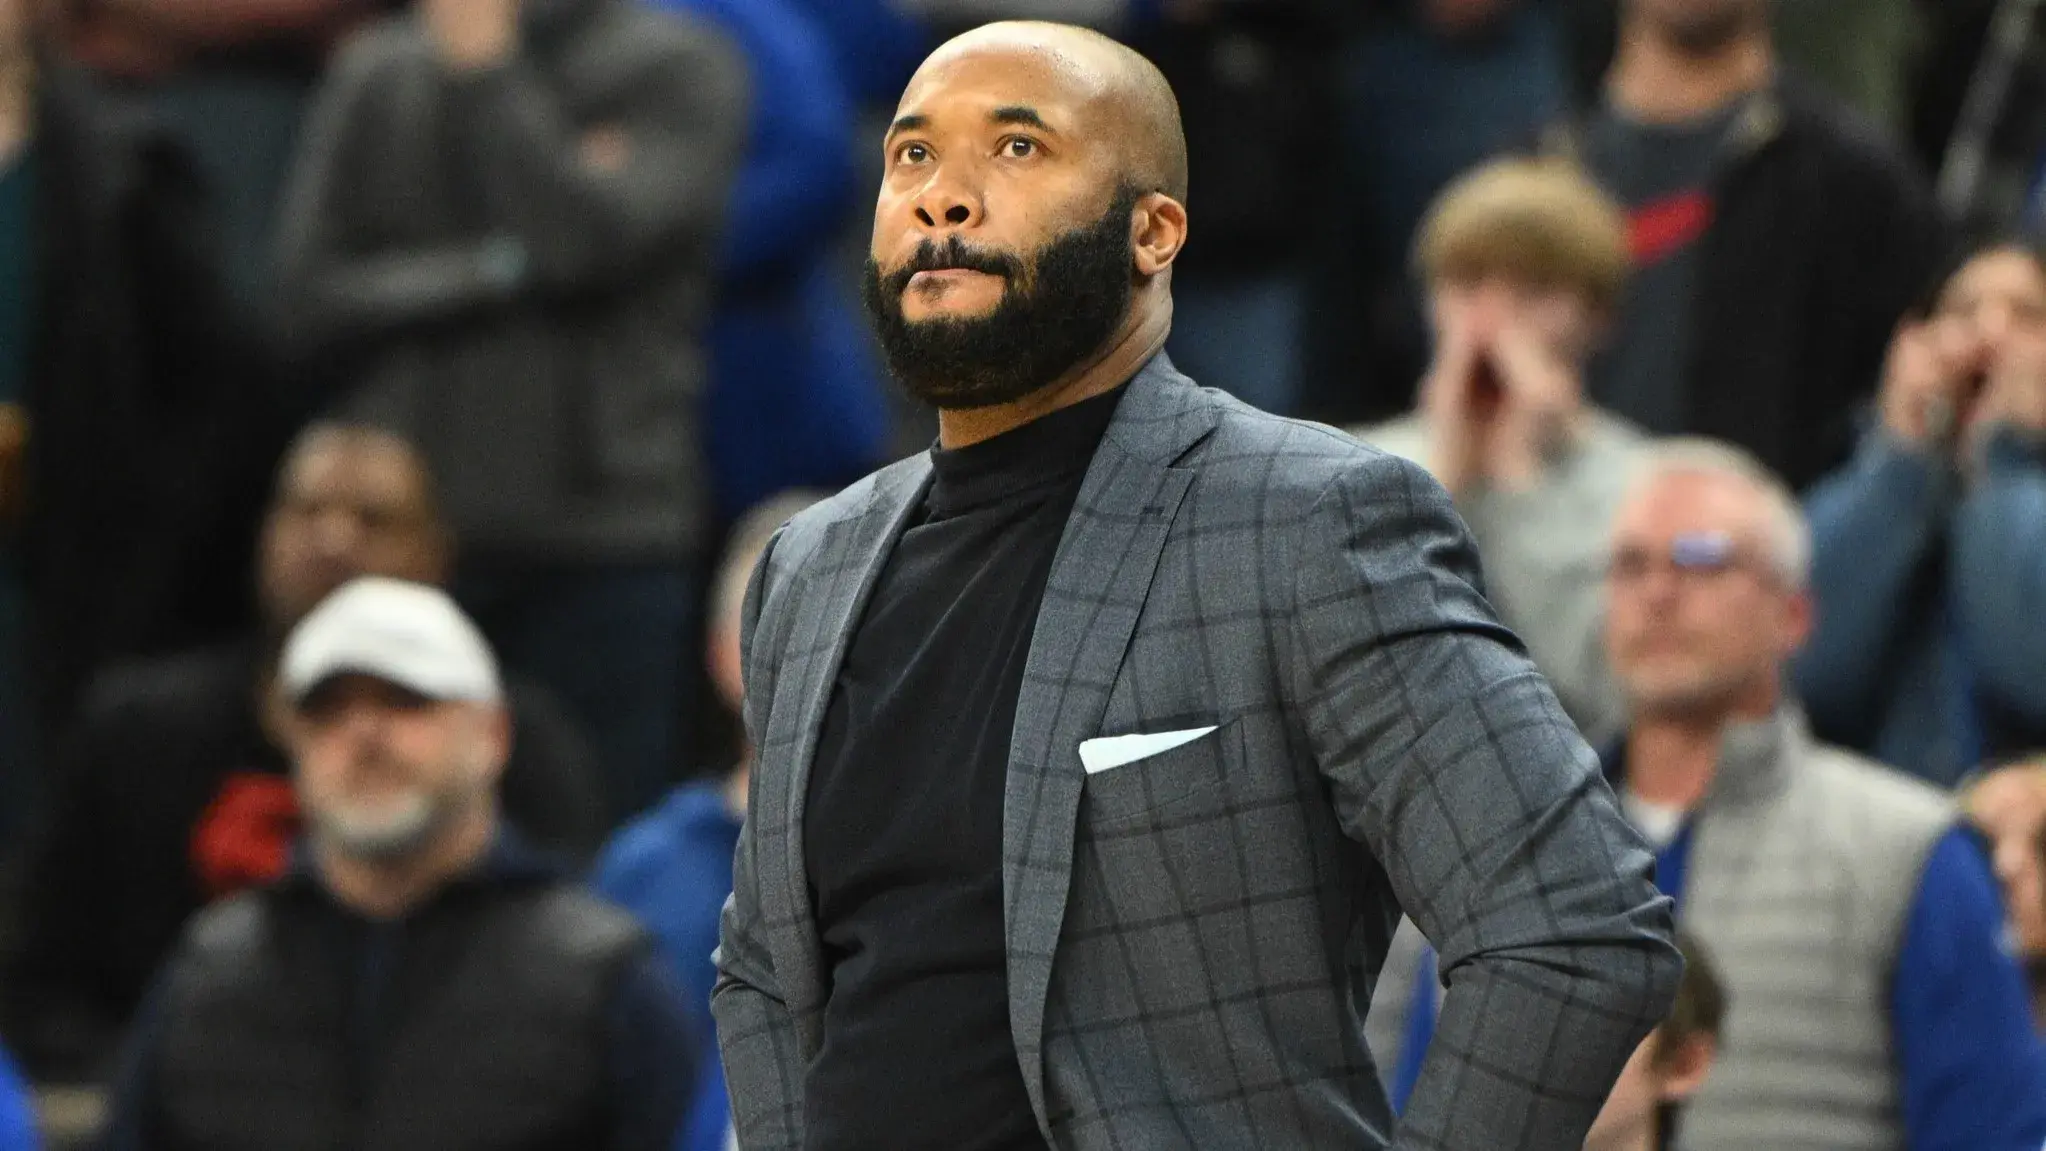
x=118, y=867
x=1823, y=237
x=155, y=425
x=509, y=1012
x=532, y=322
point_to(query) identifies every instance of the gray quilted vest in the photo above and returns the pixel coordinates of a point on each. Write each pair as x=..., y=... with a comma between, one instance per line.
x=1801, y=874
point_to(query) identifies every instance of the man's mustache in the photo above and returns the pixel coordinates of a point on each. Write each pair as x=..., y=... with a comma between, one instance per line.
x=953, y=255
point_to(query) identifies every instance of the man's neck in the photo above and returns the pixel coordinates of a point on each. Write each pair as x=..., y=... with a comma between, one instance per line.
x=1140, y=338
x=1655, y=82
x=1672, y=758
x=389, y=890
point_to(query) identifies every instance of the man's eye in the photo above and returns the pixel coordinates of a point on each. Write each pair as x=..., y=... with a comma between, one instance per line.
x=1019, y=147
x=913, y=153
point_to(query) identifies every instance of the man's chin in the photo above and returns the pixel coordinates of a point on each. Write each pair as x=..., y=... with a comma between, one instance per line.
x=919, y=313
x=379, y=831
x=1677, y=696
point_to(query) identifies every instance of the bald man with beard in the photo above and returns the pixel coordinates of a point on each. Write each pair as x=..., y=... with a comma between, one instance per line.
x=1100, y=748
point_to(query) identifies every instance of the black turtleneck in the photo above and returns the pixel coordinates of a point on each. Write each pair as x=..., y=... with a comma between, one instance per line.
x=903, y=830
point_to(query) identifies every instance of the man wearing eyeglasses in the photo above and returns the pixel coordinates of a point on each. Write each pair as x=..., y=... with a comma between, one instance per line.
x=1870, y=1004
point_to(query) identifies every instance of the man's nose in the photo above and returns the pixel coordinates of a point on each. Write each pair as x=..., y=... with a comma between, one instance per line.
x=945, y=204
x=337, y=533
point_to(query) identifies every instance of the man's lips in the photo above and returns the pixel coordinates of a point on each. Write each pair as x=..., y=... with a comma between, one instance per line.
x=941, y=276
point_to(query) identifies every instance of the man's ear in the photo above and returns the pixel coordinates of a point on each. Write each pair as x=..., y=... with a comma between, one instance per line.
x=499, y=732
x=1157, y=233
x=1800, y=615
x=1682, y=1069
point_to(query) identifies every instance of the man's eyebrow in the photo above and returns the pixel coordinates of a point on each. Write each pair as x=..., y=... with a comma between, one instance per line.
x=914, y=122
x=1020, y=114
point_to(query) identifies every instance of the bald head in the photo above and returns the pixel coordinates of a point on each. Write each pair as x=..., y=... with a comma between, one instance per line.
x=1124, y=98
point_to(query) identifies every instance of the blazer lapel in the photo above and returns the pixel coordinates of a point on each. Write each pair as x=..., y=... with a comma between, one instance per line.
x=1096, y=591
x=853, y=558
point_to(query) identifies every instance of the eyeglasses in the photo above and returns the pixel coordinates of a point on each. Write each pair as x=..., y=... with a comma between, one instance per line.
x=1693, y=556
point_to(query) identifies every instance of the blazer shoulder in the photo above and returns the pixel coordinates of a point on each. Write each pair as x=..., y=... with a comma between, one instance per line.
x=809, y=531
x=1290, y=464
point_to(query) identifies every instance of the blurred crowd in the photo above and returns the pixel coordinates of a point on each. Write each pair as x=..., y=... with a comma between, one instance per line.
x=1718, y=318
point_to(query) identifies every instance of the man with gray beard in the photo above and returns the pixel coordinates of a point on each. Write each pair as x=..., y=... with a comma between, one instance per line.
x=419, y=979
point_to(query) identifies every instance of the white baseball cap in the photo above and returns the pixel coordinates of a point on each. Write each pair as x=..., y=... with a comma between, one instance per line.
x=403, y=633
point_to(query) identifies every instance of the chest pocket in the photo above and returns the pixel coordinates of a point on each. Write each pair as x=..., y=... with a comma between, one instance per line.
x=1182, y=783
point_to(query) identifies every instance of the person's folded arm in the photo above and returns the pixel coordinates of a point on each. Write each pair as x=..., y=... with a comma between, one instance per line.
x=594, y=204
x=1973, y=1072
x=1998, y=565
x=1449, y=759
x=337, y=290
x=1875, y=523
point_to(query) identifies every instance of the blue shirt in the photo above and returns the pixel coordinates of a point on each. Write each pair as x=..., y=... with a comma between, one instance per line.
x=672, y=867
x=17, y=1112
x=1972, y=1072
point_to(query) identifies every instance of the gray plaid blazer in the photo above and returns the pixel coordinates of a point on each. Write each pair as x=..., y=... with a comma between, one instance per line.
x=1193, y=938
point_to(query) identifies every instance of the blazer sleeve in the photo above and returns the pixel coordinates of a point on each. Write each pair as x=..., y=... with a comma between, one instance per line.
x=1450, y=760
x=757, y=1036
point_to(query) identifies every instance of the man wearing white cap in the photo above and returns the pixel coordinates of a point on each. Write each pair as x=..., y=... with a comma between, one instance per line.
x=419, y=979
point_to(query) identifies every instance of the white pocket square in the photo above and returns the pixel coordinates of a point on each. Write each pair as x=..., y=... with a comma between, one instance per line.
x=1109, y=752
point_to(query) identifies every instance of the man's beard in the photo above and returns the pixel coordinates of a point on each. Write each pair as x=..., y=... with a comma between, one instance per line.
x=1054, y=312
x=392, y=832
x=1686, y=695
x=387, y=836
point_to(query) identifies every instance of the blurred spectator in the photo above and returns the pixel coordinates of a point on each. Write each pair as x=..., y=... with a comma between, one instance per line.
x=1857, y=928
x=672, y=867
x=1423, y=91
x=503, y=227
x=174, y=788
x=232, y=79
x=1930, y=646
x=135, y=428
x=2008, y=805
x=419, y=978
x=1669, y=1066
x=1250, y=82
x=795, y=392
x=1524, y=261
x=1777, y=239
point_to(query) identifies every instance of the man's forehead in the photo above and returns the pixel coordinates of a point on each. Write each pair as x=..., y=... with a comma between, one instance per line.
x=977, y=80
x=1685, y=500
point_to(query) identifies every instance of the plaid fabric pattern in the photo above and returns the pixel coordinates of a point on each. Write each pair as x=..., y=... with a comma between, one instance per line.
x=1193, y=937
